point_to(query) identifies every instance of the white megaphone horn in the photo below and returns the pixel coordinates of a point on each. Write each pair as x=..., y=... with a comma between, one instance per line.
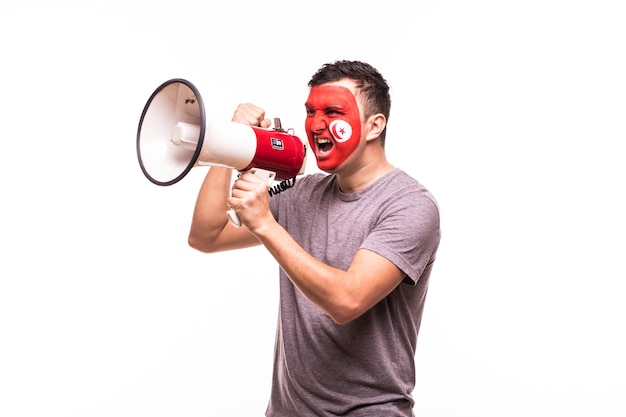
x=174, y=136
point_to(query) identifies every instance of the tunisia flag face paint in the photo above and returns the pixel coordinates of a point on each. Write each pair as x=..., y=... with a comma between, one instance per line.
x=333, y=125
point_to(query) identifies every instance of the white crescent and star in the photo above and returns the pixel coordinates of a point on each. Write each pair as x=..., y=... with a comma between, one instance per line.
x=341, y=130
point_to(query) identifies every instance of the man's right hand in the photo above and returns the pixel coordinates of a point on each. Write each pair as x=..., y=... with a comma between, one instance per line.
x=251, y=115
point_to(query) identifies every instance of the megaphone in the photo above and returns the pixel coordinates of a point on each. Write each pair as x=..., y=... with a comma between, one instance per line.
x=174, y=136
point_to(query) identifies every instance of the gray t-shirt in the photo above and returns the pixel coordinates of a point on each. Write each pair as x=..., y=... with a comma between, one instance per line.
x=365, y=367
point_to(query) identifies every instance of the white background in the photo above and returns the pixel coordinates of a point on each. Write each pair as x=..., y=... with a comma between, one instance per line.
x=512, y=113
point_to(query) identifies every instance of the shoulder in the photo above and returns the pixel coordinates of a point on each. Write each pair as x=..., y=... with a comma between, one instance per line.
x=401, y=189
x=407, y=210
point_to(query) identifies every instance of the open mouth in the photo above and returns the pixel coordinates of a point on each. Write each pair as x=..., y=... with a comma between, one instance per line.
x=324, y=145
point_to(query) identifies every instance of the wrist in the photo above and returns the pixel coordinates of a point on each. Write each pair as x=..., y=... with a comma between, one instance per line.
x=263, y=227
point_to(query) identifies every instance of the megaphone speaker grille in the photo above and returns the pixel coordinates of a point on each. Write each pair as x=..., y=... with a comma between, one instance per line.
x=171, y=132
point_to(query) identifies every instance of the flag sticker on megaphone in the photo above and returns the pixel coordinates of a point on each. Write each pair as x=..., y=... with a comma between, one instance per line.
x=277, y=144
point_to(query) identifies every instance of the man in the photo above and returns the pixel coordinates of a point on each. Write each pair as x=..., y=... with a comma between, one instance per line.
x=355, y=249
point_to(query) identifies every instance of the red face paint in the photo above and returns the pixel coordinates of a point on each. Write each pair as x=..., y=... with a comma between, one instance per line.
x=333, y=125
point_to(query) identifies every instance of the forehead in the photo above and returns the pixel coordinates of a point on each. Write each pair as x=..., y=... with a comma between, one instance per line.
x=346, y=83
x=336, y=92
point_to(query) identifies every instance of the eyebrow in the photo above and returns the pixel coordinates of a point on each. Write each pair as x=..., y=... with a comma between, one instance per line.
x=326, y=108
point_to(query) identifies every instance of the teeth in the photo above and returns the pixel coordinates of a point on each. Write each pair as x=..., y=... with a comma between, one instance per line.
x=322, y=141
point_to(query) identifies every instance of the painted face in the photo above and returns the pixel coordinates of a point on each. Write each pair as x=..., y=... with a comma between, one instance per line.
x=333, y=125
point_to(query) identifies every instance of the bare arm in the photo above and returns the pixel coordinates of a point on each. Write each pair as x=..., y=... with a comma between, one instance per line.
x=210, y=229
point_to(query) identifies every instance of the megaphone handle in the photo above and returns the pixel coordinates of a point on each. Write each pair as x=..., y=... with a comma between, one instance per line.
x=260, y=173
x=233, y=217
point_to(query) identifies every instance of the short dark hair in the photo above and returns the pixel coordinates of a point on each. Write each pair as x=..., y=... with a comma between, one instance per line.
x=372, y=87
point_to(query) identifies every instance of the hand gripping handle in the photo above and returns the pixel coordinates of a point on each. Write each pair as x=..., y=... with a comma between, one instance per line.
x=260, y=173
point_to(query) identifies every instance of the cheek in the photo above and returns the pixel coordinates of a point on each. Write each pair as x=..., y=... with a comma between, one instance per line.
x=347, y=129
x=307, y=129
x=341, y=130
x=347, y=137
x=346, y=132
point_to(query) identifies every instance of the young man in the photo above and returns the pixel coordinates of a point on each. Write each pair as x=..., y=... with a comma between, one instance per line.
x=355, y=249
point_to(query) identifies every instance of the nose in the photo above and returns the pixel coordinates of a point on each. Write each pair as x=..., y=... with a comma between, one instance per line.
x=318, y=124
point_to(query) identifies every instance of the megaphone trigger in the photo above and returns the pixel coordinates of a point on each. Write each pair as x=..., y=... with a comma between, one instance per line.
x=263, y=174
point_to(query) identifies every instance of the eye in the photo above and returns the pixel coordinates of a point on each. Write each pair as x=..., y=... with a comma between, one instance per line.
x=334, y=111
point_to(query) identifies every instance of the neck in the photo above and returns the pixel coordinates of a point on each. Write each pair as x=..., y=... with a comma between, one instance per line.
x=358, y=177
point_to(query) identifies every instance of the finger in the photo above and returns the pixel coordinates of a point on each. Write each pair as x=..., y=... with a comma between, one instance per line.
x=249, y=114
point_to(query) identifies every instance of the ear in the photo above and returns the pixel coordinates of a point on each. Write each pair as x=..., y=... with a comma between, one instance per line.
x=375, y=125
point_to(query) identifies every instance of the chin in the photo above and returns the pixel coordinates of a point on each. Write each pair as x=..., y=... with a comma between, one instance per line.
x=334, y=169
